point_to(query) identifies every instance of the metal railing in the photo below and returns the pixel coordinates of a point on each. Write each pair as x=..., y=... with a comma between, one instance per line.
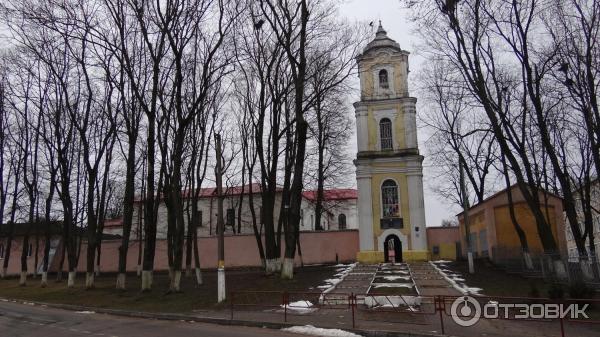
x=286, y=303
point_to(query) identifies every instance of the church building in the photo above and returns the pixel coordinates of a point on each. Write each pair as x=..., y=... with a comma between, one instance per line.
x=389, y=170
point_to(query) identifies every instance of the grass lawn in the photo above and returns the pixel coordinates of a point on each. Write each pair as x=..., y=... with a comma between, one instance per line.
x=496, y=282
x=190, y=299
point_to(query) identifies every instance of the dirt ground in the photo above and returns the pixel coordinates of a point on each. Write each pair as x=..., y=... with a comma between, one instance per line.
x=190, y=299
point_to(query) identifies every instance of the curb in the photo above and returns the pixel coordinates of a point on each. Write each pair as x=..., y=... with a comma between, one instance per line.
x=211, y=320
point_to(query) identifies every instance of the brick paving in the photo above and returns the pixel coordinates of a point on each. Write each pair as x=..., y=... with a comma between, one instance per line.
x=430, y=282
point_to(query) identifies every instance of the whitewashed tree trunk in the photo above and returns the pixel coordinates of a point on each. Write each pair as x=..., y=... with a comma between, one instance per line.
x=44, y=282
x=23, y=279
x=528, y=260
x=287, y=272
x=559, y=269
x=273, y=266
x=71, y=279
x=146, y=280
x=471, y=265
x=139, y=270
x=3, y=273
x=97, y=270
x=221, y=291
x=89, y=280
x=176, y=282
x=198, y=276
x=586, y=269
x=121, y=281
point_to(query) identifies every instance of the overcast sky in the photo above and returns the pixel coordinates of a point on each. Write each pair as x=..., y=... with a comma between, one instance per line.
x=394, y=19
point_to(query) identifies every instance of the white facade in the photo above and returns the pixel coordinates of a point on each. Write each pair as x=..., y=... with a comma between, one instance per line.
x=333, y=209
x=595, y=198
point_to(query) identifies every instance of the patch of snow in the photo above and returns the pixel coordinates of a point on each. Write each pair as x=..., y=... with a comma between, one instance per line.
x=300, y=307
x=332, y=281
x=405, y=272
x=313, y=331
x=301, y=304
x=456, y=281
x=393, y=285
x=442, y=261
x=85, y=312
x=392, y=301
x=473, y=290
x=394, y=278
x=325, y=286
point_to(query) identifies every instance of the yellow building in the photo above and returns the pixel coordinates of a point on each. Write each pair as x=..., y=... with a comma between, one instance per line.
x=388, y=166
x=492, y=233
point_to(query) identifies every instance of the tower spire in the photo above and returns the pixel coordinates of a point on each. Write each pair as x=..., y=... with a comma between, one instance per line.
x=380, y=30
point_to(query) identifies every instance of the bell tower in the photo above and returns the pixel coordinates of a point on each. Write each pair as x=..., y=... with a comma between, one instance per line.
x=388, y=165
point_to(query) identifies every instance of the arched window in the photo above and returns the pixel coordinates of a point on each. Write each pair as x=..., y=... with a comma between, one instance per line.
x=385, y=133
x=1, y=250
x=342, y=221
x=389, y=199
x=383, y=79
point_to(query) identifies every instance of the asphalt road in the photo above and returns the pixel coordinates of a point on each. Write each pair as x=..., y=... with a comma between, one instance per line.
x=23, y=320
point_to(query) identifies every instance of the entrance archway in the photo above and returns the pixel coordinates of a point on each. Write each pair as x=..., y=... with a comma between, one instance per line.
x=392, y=242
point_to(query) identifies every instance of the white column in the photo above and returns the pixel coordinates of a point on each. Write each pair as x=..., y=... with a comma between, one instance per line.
x=362, y=127
x=417, y=212
x=410, y=122
x=365, y=213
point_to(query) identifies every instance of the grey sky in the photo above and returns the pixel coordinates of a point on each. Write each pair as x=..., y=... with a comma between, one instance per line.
x=394, y=19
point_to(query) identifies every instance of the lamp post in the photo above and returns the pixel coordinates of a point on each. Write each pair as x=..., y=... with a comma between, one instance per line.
x=221, y=295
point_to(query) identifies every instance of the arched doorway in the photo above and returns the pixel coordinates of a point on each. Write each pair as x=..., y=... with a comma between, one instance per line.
x=393, y=243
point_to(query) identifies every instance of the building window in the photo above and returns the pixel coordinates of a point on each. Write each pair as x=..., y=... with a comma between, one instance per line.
x=385, y=133
x=230, y=219
x=198, y=218
x=342, y=221
x=302, y=217
x=389, y=198
x=312, y=221
x=1, y=250
x=29, y=250
x=383, y=79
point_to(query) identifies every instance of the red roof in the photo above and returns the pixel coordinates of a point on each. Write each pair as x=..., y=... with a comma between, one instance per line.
x=117, y=222
x=335, y=194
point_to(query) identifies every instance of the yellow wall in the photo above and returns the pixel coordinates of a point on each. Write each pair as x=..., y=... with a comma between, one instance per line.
x=371, y=257
x=399, y=132
x=507, y=236
x=477, y=224
x=415, y=255
x=447, y=252
x=400, y=74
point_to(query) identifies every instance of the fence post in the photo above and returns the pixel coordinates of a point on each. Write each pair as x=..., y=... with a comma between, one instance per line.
x=231, y=299
x=285, y=303
x=352, y=305
x=562, y=327
x=439, y=307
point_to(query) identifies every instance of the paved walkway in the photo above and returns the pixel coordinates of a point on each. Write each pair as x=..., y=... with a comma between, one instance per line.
x=430, y=282
x=358, y=280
